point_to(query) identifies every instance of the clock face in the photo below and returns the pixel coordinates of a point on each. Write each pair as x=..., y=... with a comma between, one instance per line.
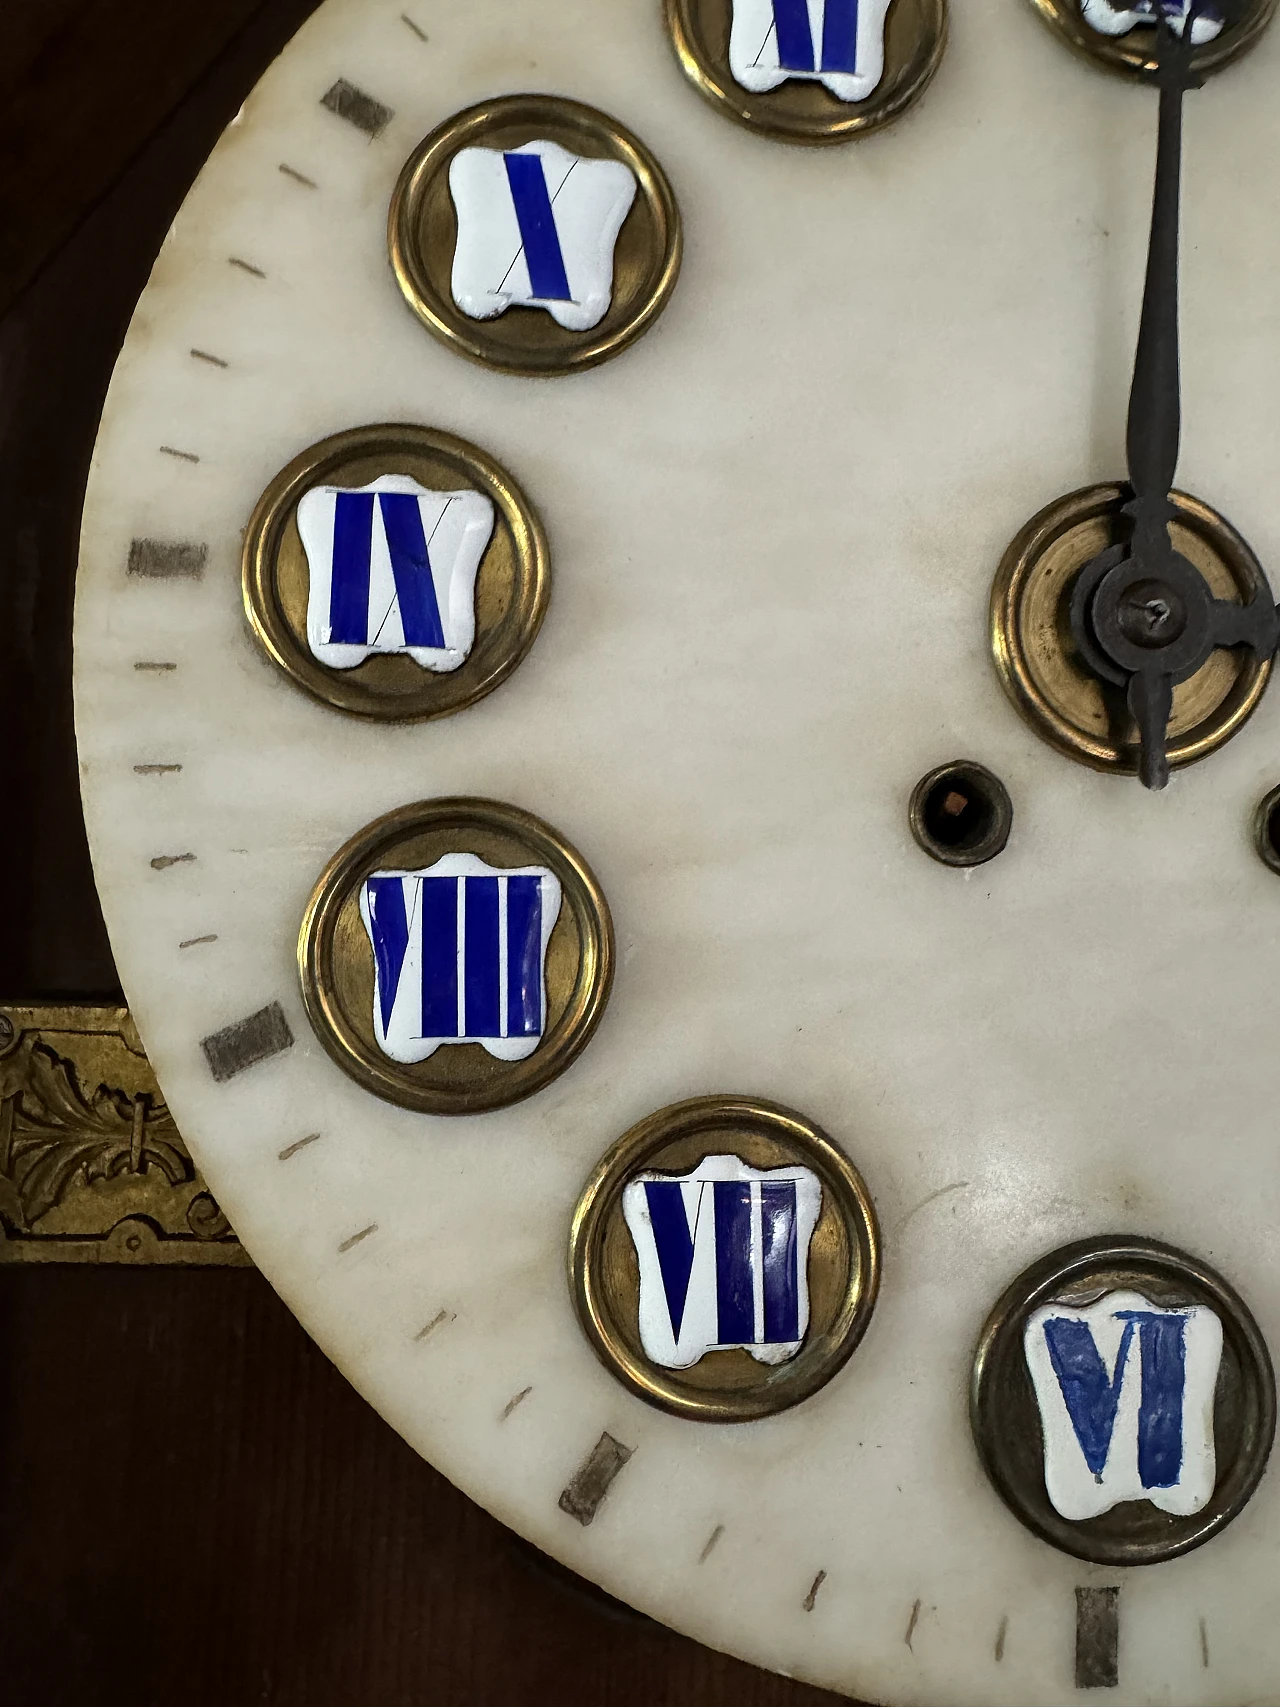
x=564, y=1011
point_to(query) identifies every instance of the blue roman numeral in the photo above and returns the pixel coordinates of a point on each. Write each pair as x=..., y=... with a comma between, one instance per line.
x=538, y=235
x=389, y=927
x=1092, y=1398
x=410, y=569
x=524, y=956
x=734, y=1268
x=795, y=40
x=437, y=897
x=674, y=1243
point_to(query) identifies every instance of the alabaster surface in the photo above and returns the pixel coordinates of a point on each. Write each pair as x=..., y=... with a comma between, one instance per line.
x=774, y=524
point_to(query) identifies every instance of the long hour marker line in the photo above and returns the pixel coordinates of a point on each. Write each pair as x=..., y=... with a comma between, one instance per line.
x=156, y=770
x=357, y=1238
x=198, y=941
x=1001, y=1633
x=182, y=455
x=246, y=1042
x=167, y=560
x=595, y=1476
x=148, y=665
x=298, y=177
x=162, y=862
x=245, y=266
x=812, y=1596
x=406, y=19
x=214, y=361
x=712, y=1542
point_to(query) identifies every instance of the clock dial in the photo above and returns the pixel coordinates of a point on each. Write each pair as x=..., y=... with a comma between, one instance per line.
x=774, y=521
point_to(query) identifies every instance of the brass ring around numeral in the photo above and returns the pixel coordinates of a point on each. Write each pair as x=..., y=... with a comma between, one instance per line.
x=456, y=956
x=835, y=1252
x=1123, y=1525
x=1134, y=51
x=497, y=593
x=513, y=329
x=720, y=48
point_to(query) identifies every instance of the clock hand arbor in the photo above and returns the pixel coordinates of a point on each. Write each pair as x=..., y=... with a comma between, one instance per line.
x=1142, y=615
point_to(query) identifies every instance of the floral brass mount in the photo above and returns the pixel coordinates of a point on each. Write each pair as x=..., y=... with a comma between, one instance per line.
x=92, y=1166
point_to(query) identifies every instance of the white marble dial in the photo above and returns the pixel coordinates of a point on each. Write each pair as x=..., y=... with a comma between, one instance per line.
x=774, y=524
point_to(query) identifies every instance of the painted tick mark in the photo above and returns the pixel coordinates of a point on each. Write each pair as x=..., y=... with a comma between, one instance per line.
x=712, y=1539
x=406, y=19
x=1001, y=1633
x=150, y=666
x=594, y=1477
x=299, y=1144
x=156, y=770
x=245, y=266
x=162, y=862
x=214, y=361
x=511, y=1404
x=298, y=177
x=198, y=941
x=357, y=1238
x=815, y=1585
x=1204, y=1644
x=914, y=1619
x=182, y=455
x=437, y=1321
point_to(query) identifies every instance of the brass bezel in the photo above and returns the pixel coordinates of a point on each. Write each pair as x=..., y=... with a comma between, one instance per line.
x=527, y=340
x=1005, y=1421
x=513, y=585
x=1035, y=655
x=801, y=112
x=709, y=1124
x=333, y=956
x=1134, y=55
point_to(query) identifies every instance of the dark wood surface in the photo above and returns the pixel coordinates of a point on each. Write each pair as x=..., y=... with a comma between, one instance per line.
x=196, y=1508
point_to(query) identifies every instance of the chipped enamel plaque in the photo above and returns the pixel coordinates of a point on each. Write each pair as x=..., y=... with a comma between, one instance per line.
x=535, y=234
x=396, y=572
x=725, y=1259
x=1123, y=37
x=810, y=70
x=456, y=956
x=1123, y=1401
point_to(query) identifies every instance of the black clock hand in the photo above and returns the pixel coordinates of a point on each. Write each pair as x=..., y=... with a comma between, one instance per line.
x=1143, y=616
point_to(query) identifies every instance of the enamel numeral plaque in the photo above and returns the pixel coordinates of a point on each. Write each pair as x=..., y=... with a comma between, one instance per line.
x=456, y=956
x=1123, y=37
x=725, y=1259
x=1123, y=1401
x=395, y=572
x=535, y=235
x=809, y=71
